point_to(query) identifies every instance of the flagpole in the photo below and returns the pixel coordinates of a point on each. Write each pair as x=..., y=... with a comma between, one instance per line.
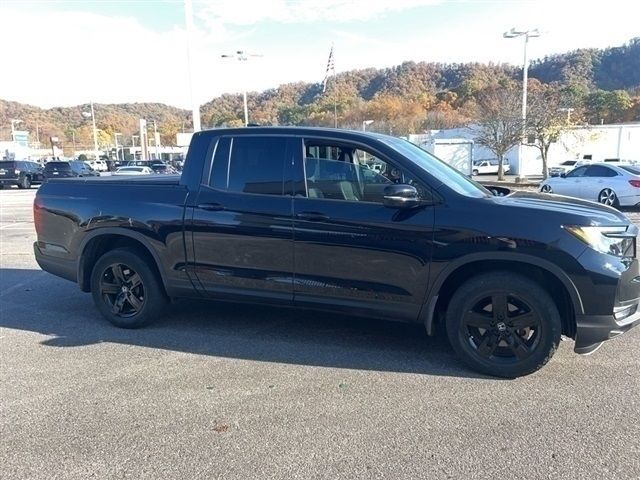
x=335, y=98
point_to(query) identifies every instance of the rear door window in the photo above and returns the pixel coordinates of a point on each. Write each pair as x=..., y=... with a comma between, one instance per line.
x=256, y=165
x=600, y=171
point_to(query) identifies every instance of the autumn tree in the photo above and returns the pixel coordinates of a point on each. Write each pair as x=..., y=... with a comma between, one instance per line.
x=547, y=118
x=498, y=121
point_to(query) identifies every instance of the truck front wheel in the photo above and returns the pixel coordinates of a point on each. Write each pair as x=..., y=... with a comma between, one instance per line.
x=126, y=290
x=503, y=324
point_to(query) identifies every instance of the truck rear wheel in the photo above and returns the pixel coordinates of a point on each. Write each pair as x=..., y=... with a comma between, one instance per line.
x=126, y=290
x=503, y=324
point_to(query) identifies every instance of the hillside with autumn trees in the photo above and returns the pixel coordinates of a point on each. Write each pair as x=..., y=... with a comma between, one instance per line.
x=600, y=86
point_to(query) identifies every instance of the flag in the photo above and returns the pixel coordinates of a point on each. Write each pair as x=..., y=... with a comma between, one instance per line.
x=330, y=68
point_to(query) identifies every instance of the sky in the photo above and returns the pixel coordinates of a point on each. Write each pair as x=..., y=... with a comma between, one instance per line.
x=63, y=53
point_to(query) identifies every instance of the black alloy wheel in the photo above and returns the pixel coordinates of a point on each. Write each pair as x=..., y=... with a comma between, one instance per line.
x=127, y=289
x=502, y=327
x=122, y=290
x=503, y=324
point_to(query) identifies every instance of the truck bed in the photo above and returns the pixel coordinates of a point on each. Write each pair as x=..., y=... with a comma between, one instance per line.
x=147, y=180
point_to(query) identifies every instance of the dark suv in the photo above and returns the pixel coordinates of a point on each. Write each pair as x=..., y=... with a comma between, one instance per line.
x=21, y=173
x=59, y=170
x=83, y=169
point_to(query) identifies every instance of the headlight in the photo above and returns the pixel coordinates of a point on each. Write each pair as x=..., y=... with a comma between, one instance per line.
x=619, y=241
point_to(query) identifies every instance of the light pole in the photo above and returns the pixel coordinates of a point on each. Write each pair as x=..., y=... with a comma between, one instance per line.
x=133, y=145
x=155, y=139
x=116, y=138
x=513, y=33
x=365, y=123
x=95, y=132
x=568, y=110
x=14, y=121
x=243, y=56
x=195, y=108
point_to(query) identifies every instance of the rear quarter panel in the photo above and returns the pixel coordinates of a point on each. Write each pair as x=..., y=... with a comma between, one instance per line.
x=68, y=214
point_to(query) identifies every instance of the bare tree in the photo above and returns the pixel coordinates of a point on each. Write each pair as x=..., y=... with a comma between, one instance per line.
x=498, y=121
x=547, y=119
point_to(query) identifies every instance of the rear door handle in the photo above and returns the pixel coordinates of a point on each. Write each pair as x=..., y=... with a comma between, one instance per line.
x=211, y=207
x=312, y=216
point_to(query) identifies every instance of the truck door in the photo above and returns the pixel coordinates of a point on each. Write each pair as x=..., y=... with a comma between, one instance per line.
x=242, y=224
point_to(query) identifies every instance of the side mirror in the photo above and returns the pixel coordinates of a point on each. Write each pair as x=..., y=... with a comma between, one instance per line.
x=401, y=196
x=563, y=175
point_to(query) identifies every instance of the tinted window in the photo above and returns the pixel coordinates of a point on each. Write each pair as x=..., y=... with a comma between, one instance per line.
x=220, y=167
x=345, y=172
x=7, y=165
x=257, y=165
x=578, y=172
x=600, y=171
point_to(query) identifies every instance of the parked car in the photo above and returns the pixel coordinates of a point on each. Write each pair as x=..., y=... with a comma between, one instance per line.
x=133, y=171
x=83, y=169
x=58, y=170
x=21, y=173
x=163, y=169
x=566, y=166
x=607, y=183
x=283, y=216
x=482, y=167
x=99, y=165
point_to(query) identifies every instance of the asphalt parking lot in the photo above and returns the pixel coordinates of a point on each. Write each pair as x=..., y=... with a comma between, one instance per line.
x=225, y=391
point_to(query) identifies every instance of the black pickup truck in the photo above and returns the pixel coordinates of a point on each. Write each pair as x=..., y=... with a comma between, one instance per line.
x=349, y=222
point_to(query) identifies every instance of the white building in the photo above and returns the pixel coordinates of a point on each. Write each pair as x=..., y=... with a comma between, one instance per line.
x=595, y=142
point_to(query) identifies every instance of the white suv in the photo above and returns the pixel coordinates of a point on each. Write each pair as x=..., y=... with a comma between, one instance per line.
x=99, y=165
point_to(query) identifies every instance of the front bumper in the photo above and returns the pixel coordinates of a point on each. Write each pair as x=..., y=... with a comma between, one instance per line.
x=592, y=330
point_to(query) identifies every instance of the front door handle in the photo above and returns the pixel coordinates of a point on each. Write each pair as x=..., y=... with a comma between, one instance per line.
x=211, y=207
x=312, y=216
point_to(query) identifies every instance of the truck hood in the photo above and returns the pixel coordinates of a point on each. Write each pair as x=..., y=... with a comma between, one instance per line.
x=584, y=212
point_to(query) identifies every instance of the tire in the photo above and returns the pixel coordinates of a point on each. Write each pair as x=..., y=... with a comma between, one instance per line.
x=26, y=183
x=608, y=197
x=517, y=340
x=475, y=172
x=21, y=183
x=546, y=189
x=126, y=290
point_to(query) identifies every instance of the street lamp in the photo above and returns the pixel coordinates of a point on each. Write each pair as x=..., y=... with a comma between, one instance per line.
x=513, y=33
x=243, y=56
x=95, y=132
x=155, y=139
x=365, y=123
x=568, y=110
x=14, y=121
x=116, y=139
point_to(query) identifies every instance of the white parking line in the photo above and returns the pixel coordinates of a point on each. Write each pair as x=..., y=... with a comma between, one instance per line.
x=16, y=224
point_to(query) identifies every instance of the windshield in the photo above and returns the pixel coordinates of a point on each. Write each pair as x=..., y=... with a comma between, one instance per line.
x=435, y=167
x=570, y=162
